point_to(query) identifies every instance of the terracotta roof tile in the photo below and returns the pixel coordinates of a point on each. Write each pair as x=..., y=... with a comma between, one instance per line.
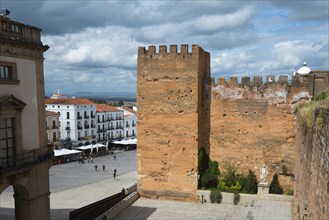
x=106, y=108
x=70, y=101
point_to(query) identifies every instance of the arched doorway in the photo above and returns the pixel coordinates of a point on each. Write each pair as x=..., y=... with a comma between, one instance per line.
x=15, y=203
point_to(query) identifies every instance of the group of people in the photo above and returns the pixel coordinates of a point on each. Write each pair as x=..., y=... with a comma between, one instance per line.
x=90, y=159
x=114, y=172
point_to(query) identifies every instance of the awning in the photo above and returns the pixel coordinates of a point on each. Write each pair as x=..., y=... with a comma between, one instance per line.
x=126, y=141
x=64, y=151
x=91, y=146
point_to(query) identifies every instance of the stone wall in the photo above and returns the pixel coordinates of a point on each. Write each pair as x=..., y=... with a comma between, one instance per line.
x=312, y=168
x=245, y=122
x=253, y=123
x=171, y=123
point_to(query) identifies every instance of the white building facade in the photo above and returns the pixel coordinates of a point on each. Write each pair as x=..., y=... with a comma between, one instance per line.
x=130, y=128
x=77, y=119
x=109, y=123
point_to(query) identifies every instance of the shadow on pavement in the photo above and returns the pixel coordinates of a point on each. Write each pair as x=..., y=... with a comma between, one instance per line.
x=136, y=212
x=60, y=214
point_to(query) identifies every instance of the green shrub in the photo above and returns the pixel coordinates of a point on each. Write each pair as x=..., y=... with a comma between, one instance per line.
x=230, y=178
x=236, y=198
x=233, y=188
x=216, y=196
x=321, y=96
x=209, y=180
x=250, y=183
x=203, y=161
x=290, y=192
x=208, y=171
x=213, y=167
x=242, y=181
x=275, y=187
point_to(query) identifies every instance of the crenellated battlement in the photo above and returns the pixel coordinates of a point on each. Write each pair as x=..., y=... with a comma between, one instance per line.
x=162, y=51
x=274, y=89
x=255, y=81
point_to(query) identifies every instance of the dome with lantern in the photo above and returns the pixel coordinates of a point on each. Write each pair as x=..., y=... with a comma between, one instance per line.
x=304, y=70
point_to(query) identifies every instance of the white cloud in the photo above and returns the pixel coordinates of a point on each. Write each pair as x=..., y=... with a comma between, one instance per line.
x=83, y=77
x=95, y=43
x=211, y=23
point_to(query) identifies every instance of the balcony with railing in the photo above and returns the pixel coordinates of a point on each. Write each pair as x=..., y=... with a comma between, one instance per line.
x=68, y=128
x=86, y=116
x=119, y=127
x=86, y=126
x=79, y=117
x=22, y=161
x=79, y=127
x=127, y=125
x=54, y=127
x=110, y=119
x=93, y=116
x=118, y=118
x=14, y=30
x=111, y=128
x=100, y=130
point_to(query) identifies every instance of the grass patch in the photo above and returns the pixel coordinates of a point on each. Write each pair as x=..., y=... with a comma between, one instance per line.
x=305, y=112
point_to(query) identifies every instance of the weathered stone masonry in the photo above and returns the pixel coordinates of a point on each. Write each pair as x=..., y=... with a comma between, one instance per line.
x=171, y=119
x=253, y=123
x=312, y=168
x=180, y=110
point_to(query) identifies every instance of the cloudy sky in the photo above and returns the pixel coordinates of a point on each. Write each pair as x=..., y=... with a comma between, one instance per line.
x=93, y=43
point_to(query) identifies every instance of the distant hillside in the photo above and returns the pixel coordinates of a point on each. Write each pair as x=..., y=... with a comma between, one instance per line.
x=107, y=96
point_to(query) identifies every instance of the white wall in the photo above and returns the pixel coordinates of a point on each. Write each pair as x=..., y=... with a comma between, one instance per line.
x=26, y=92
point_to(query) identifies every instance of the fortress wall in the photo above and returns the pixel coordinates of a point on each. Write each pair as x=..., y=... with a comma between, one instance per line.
x=253, y=123
x=170, y=109
x=312, y=168
x=244, y=121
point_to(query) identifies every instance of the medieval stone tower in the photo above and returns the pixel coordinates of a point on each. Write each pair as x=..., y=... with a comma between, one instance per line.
x=173, y=98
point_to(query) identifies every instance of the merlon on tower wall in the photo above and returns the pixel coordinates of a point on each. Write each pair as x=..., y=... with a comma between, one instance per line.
x=173, y=102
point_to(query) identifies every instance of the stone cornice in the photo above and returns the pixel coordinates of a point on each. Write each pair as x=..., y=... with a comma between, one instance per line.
x=11, y=47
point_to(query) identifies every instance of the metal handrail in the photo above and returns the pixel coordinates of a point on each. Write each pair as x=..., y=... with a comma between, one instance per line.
x=18, y=161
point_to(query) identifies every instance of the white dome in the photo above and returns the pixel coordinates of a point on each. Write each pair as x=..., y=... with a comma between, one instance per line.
x=304, y=70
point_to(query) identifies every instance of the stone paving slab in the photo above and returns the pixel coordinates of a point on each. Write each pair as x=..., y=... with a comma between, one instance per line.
x=150, y=209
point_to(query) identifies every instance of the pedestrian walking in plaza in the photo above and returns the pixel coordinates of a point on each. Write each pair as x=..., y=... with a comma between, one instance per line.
x=103, y=168
x=115, y=174
x=114, y=157
x=96, y=168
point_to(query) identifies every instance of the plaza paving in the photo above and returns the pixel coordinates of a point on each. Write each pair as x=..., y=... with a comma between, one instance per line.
x=160, y=209
x=75, y=185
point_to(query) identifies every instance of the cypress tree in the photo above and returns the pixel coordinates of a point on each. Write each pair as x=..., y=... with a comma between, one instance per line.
x=275, y=187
